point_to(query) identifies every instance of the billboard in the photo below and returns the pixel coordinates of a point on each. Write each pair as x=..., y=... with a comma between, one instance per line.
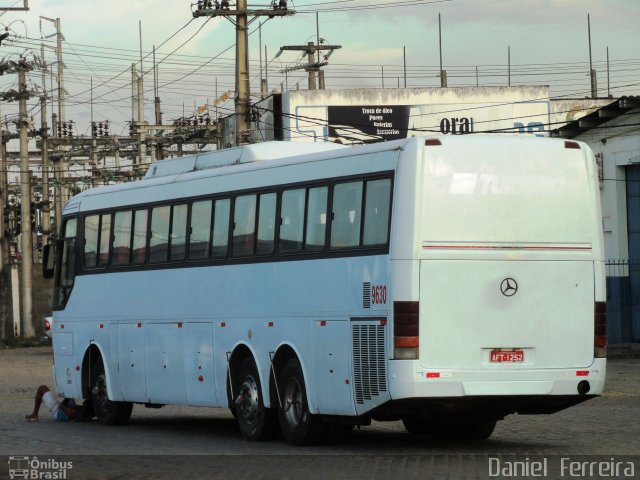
x=375, y=123
x=367, y=124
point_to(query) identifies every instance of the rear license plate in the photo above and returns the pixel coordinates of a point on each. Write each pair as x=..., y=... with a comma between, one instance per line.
x=506, y=356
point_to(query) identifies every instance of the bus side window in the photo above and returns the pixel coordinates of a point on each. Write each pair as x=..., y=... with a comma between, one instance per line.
x=220, y=236
x=105, y=240
x=178, y=232
x=159, y=235
x=199, y=240
x=139, y=244
x=316, y=218
x=292, y=221
x=266, y=224
x=244, y=220
x=91, y=229
x=347, y=205
x=376, y=212
x=122, y=238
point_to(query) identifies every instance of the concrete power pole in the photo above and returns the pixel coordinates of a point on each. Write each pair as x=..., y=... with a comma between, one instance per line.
x=241, y=14
x=5, y=283
x=156, y=105
x=46, y=206
x=26, y=283
x=592, y=72
x=60, y=169
x=312, y=65
x=243, y=90
x=142, y=131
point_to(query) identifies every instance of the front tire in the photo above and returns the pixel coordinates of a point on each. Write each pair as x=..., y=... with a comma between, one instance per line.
x=107, y=411
x=256, y=422
x=298, y=425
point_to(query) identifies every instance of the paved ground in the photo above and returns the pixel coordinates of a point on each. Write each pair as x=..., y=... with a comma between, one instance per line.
x=189, y=442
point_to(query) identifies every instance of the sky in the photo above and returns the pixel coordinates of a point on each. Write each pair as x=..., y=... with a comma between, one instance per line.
x=547, y=39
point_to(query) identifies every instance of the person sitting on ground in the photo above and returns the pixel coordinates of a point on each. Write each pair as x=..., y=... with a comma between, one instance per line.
x=64, y=411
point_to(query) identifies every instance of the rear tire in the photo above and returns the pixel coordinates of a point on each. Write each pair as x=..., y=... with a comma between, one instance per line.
x=416, y=425
x=256, y=422
x=298, y=425
x=107, y=411
x=471, y=429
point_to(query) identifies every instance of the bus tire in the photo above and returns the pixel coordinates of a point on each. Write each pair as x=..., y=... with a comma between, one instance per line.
x=471, y=429
x=230, y=402
x=107, y=411
x=298, y=425
x=416, y=425
x=256, y=422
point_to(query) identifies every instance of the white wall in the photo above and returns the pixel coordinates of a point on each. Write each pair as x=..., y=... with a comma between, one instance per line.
x=306, y=112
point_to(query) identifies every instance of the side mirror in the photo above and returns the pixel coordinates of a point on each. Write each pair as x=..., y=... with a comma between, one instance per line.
x=48, y=260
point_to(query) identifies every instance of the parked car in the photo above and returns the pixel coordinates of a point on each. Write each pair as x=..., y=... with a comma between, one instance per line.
x=47, y=324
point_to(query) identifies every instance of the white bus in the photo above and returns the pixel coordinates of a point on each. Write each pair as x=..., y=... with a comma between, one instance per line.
x=447, y=282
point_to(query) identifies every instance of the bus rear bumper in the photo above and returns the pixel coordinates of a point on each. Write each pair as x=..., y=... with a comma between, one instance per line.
x=408, y=379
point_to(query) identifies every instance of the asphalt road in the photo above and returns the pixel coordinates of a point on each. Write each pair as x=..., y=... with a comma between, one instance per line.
x=190, y=442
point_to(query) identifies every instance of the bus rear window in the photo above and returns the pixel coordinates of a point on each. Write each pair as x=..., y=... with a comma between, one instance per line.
x=516, y=197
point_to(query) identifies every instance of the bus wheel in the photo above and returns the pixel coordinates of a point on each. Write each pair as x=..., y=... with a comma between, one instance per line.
x=256, y=422
x=416, y=426
x=471, y=429
x=107, y=411
x=298, y=425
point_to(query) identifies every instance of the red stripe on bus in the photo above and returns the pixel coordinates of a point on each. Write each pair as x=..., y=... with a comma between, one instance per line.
x=488, y=247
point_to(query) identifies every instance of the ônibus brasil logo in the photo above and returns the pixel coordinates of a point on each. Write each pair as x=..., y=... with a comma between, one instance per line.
x=34, y=468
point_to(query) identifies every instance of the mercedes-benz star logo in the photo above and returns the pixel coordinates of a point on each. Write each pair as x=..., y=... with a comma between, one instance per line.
x=509, y=287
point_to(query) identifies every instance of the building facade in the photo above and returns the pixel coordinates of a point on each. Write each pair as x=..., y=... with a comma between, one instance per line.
x=613, y=132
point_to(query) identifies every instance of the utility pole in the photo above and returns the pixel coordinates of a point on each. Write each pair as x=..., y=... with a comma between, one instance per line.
x=135, y=107
x=60, y=76
x=207, y=8
x=26, y=284
x=59, y=168
x=142, y=146
x=58, y=173
x=592, y=72
x=156, y=104
x=443, y=72
x=44, y=134
x=404, y=64
x=312, y=66
x=5, y=283
x=94, y=145
x=509, y=66
x=24, y=8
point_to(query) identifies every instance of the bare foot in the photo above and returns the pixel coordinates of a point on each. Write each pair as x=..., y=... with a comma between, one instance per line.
x=31, y=418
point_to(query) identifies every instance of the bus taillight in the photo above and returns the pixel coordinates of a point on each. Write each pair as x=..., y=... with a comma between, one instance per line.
x=600, y=330
x=406, y=330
